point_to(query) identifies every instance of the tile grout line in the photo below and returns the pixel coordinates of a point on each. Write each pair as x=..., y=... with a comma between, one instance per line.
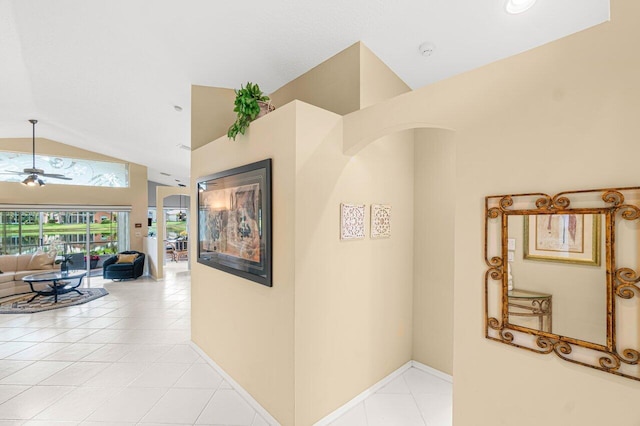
x=19, y=393
x=50, y=405
x=361, y=397
x=209, y=400
x=246, y=396
x=170, y=343
x=415, y=401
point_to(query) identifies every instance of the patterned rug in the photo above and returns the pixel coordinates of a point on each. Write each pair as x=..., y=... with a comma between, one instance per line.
x=19, y=305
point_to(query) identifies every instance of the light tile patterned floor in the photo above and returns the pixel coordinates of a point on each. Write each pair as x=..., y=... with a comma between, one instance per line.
x=125, y=360
x=415, y=398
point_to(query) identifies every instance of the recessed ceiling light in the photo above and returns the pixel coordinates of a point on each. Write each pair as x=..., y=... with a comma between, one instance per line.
x=177, y=108
x=518, y=6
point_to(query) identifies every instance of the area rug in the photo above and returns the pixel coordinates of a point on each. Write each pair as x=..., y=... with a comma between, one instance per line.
x=19, y=304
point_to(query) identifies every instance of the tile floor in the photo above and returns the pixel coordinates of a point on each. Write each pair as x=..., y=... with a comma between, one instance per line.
x=415, y=398
x=125, y=359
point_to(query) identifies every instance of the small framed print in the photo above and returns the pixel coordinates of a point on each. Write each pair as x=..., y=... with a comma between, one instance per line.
x=380, y=221
x=568, y=238
x=351, y=221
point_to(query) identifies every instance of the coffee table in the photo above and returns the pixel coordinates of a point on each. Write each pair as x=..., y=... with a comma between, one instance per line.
x=59, y=283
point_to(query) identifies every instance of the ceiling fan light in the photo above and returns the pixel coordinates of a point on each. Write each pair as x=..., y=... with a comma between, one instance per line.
x=30, y=180
x=33, y=180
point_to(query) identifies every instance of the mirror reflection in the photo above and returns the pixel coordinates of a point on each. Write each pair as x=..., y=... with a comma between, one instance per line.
x=563, y=275
x=557, y=282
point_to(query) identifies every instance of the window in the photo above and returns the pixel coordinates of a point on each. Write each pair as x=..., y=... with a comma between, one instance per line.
x=81, y=171
x=63, y=231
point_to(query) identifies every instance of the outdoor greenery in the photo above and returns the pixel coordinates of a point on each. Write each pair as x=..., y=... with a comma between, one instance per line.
x=26, y=232
x=61, y=229
x=173, y=228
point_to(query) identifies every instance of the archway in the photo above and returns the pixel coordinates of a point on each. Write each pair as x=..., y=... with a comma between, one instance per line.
x=157, y=263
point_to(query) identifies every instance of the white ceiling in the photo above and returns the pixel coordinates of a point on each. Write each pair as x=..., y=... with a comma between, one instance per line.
x=105, y=75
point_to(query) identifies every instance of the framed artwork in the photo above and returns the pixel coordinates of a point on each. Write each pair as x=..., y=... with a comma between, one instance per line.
x=568, y=238
x=351, y=221
x=234, y=221
x=380, y=221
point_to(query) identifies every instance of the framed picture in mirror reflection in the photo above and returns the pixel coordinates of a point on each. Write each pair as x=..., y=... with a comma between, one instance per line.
x=568, y=238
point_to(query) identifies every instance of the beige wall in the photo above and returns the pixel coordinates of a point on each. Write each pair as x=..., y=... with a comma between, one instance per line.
x=346, y=82
x=433, y=254
x=135, y=195
x=353, y=298
x=247, y=328
x=333, y=85
x=377, y=81
x=554, y=118
x=211, y=114
x=548, y=120
x=350, y=80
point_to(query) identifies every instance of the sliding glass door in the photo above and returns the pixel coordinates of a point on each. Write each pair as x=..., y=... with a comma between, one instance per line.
x=72, y=232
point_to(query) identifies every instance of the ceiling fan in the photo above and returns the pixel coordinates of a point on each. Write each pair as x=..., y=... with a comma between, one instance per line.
x=33, y=178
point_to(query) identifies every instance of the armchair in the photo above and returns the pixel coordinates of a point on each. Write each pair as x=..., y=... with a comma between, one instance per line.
x=122, y=271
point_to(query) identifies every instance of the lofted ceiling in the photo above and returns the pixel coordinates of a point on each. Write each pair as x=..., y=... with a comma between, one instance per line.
x=105, y=75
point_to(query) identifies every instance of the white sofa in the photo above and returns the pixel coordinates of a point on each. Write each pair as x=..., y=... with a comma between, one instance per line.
x=15, y=267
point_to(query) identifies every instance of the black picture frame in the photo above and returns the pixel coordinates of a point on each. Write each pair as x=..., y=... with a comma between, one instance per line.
x=234, y=221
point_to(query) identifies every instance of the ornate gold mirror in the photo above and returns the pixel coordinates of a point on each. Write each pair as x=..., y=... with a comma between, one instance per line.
x=563, y=278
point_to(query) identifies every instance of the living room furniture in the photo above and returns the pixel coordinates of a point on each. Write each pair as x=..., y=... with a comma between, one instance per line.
x=177, y=249
x=118, y=270
x=57, y=283
x=14, y=267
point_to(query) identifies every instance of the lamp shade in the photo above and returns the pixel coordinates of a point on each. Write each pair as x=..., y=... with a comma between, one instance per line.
x=33, y=180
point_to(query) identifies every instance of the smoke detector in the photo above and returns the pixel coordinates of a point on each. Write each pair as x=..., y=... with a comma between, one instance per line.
x=426, y=49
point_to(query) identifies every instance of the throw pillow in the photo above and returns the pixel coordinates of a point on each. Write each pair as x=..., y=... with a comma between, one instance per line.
x=126, y=258
x=41, y=260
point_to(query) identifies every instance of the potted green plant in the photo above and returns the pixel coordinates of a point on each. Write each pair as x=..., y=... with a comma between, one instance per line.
x=64, y=261
x=250, y=104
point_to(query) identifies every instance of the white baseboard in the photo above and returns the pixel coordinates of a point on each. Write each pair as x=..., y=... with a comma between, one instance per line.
x=335, y=414
x=236, y=386
x=362, y=396
x=375, y=388
x=439, y=374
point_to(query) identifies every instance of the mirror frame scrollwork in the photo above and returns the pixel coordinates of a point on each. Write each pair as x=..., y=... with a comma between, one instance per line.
x=622, y=281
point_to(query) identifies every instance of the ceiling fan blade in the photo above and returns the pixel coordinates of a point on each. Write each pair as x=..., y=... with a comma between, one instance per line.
x=33, y=172
x=55, y=176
